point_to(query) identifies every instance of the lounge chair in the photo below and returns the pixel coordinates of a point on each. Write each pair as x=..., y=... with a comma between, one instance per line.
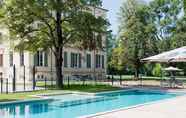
x=165, y=83
x=179, y=83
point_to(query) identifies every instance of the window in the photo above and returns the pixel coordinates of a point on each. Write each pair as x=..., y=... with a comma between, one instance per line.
x=72, y=60
x=45, y=59
x=65, y=59
x=103, y=61
x=98, y=61
x=41, y=59
x=88, y=61
x=75, y=60
x=1, y=59
x=79, y=55
x=21, y=58
x=36, y=63
x=11, y=58
x=40, y=56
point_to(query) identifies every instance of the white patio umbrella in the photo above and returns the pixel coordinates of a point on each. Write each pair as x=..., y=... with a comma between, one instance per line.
x=172, y=69
x=176, y=55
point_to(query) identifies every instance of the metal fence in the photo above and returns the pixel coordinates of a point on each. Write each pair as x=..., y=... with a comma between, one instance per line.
x=6, y=87
x=11, y=85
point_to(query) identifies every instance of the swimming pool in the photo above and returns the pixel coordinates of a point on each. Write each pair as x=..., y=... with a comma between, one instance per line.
x=81, y=105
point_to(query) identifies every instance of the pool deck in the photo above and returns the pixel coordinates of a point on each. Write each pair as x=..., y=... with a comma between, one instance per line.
x=170, y=108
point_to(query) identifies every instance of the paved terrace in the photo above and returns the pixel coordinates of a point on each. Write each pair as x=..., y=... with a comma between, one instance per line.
x=171, y=108
x=19, y=88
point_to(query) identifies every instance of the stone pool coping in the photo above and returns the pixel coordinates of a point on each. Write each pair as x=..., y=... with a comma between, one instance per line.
x=44, y=97
x=139, y=105
x=25, y=101
x=173, y=108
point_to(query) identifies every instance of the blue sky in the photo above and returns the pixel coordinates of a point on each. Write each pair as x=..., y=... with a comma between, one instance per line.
x=114, y=6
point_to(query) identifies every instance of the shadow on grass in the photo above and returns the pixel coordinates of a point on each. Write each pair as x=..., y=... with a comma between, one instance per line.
x=8, y=100
x=85, y=88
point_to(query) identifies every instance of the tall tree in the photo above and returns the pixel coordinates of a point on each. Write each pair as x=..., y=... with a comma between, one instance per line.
x=178, y=36
x=110, y=45
x=184, y=3
x=116, y=63
x=43, y=24
x=166, y=13
x=137, y=33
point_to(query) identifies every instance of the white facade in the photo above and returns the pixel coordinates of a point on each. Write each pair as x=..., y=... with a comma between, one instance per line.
x=75, y=60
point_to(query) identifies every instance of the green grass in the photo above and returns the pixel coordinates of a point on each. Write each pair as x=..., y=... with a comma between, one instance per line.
x=84, y=88
x=80, y=88
x=21, y=96
x=91, y=88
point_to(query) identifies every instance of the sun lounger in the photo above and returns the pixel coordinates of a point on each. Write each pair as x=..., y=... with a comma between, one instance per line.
x=165, y=83
x=179, y=83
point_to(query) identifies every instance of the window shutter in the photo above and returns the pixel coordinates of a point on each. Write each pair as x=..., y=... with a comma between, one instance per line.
x=65, y=59
x=46, y=59
x=79, y=60
x=36, y=62
x=11, y=58
x=88, y=61
x=72, y=58
x=103, y=61
x=1, y=59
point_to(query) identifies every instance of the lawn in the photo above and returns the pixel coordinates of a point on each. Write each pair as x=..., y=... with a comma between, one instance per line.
x=21, y=96
x=79, y=88
x=91, y=88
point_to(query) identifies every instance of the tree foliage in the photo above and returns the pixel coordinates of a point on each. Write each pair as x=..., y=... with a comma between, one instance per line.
x=157, y=70
x=44, y=24
x=149, y=29
x=165, y=13
x=137, y=33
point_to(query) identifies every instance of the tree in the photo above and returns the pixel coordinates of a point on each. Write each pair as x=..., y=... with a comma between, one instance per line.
x=110, y=45
x=166, y=13
x=184, y=3
x=157, y=70
x=53, y=24
x=178, y=38
x=116, y=63
x=137, y=33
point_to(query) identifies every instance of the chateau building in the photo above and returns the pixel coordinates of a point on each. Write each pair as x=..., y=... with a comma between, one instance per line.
x=19, y=64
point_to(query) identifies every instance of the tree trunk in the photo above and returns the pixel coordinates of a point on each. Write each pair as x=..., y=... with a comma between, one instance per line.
x=59, y=67
x=137, y=72
x=59, y=48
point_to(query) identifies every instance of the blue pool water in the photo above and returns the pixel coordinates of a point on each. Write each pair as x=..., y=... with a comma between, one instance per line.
x=86, y=106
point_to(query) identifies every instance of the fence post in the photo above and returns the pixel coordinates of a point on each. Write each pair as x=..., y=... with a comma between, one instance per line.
x=68, y=82
x=95, y=80
x=24, y=77
x=14, y=79
x=120, y=79
x=34, y=82
x=52, y=84
x=1, y=85
x=83, y=81
x=112, y=80
x=141, y=80
x=45, y=83
x=6, y=86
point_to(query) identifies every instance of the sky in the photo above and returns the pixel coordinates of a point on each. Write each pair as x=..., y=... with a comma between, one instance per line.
x=114, y=6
